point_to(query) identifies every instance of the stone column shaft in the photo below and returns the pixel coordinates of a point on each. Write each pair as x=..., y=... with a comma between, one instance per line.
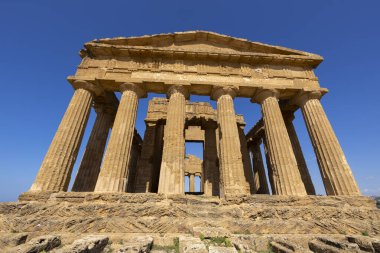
x=113, y=175
x=173, y=163
x=145, y=164
x=336, y=173
x=191, y=183
x=248, y=173
x=210, y=175
x=269, y=167
x=258, y=168
x=55, y=171
x=89, y=168
x=286, y=177
x=301, y=163
x=231, y=164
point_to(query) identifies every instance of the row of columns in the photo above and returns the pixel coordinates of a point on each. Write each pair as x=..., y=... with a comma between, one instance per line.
x=286, y=166
x=192, y=181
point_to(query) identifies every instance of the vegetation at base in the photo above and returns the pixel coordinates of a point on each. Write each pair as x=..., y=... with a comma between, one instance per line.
x=216, y=241
x=168, y=248
x=365, y=233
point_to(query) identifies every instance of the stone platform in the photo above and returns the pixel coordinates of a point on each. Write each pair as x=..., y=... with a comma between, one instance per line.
x=250, y=222
x=157, y=213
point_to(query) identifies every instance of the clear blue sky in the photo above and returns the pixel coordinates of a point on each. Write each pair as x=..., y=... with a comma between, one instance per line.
x=40, y=41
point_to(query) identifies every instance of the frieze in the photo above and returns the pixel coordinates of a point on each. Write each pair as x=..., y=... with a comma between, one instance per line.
x=196, y=67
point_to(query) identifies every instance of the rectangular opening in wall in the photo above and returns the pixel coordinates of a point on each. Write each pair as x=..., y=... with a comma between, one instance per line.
x=193, y=167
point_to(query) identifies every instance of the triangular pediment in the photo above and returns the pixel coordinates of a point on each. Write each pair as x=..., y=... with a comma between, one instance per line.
x=202, y=41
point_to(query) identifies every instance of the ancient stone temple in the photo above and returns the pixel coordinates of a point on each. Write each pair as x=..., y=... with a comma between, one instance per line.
x=254, y=186
x=280, y=80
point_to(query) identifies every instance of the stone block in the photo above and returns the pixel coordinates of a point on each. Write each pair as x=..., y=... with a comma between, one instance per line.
x=208, y=232
x=191, y=245
x=39, y=244
x=140, y=244
x=88, y=244
x=217, y=249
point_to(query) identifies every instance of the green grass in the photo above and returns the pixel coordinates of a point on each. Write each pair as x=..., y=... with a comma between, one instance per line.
x=365, y=233
x=217, y=241
x=168, y=248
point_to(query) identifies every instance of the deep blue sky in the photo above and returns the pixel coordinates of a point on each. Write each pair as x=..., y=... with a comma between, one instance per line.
x=40, y=41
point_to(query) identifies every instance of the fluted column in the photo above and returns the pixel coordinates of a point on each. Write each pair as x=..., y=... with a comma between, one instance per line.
x=336, y=173
x=191, y=182
x=113, y=175
x=248, y=173
x=55, y=171
x=145, y=164
x=286, y=177
x=172, y=165
x=89, y=168
x=269, y=166
x=210, y=175
x=260, y=177
x=301, y=163
x=231, y=163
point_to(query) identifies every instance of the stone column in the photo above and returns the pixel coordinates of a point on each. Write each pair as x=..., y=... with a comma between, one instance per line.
x=145, y=164
x=210, y=175
x=336, y=173
x=231, y=165
x=113, y=175
x=191, y=182
x=269, y=166
x=301, y=163
x=258, y=168
x=172, y=165
x=89, y=168
x=248, y=174
x=286, y=177
x=55, y=171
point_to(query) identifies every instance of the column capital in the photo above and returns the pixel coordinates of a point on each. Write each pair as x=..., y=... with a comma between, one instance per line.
x=94, y=89
x=262, y=94
x=218, y=91
x=178, y=89
x=302, y=97
x=138, y=89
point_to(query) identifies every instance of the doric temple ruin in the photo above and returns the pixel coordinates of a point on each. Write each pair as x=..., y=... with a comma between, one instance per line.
x=249, y=190
x=222, y=68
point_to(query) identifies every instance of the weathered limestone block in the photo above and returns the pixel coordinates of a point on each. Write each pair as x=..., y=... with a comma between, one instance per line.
x=88, y=244
x=301, y=163
x=12, y=240
x=364, y=243
x=140, y=244
x=113, y=175
x=336, y=173
x=39, y=244
x=232, y=179
x=218, y=249
x=172, y=165
x=191, y=245
x=260, y=177
x=89, y=168
x=286, y=177
x=324, y=244
x=55, y=171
